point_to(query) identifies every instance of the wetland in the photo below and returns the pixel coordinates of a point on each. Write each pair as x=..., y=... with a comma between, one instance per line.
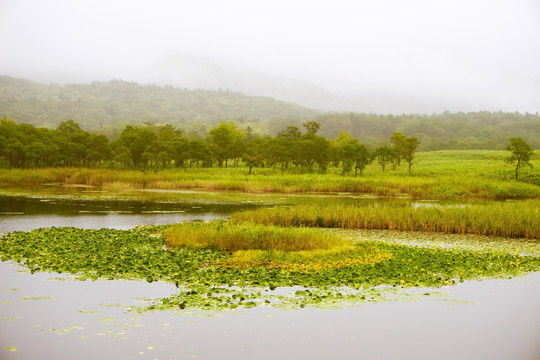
x=147, y=296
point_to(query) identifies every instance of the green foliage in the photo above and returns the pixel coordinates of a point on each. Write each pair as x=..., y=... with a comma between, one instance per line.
x=26, y=146
x=521, y=154
x=199, y=153
x=398, y=142
x=226, y=142
x=312, y=127
x=107, y=108
x=408, y=150
x=211, y=279
x=137, y=139
x=384, y=155
x=110, y=105
x=350, y=152
x=513, y=219
x=362, y=158
x=445, y=131
x=291, y=133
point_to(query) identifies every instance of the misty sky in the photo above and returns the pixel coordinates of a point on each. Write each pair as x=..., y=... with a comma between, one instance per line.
x=470, y=54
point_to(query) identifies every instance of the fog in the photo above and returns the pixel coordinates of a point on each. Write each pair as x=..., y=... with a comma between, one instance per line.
x=387, y=56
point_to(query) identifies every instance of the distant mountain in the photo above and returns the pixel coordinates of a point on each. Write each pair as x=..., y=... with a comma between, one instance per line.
x=100, y=104
x=197, y=72
x=194, y=72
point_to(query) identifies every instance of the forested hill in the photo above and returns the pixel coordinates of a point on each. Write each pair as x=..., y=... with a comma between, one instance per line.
x=107, y=107
x=461, y=131
x=102, y=104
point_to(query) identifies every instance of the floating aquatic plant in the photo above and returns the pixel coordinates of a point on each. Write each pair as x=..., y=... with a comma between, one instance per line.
x=208, y=278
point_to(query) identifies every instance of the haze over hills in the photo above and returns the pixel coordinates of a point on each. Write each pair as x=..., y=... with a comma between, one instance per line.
x=107, y=107
x=195, y=72
x=384, y=57
x=188, y=71
x=100, y=104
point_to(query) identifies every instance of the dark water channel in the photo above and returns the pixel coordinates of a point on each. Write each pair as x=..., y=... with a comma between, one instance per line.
x=48, y=316
x=23, y=214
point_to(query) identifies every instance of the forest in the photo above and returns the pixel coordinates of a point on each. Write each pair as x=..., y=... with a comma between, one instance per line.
x=108, y=107
x=153, y=147
x=160, y=147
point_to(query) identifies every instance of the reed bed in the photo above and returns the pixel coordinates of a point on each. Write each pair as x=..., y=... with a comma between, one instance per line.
x=517, y=219
x=435, y=187
x=436, y=175
x=271, y=247
x=224, y=236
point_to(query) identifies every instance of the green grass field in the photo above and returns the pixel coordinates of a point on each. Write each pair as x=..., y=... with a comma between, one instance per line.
x=474, y=174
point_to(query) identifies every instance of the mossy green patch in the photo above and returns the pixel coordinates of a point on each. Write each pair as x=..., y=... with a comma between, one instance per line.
x=209, y=279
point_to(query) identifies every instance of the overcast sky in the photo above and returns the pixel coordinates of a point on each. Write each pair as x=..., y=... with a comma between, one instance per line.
x=482, y=54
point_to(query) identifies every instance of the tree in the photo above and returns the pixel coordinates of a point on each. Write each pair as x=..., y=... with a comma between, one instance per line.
x=409, y=150
x=312, y=127
x=253, y=155
x=398, y=142
x=158, y=155
x=277, y=151
x=521, y=154
x=346, y=153
x=384, y=155
x=291, y=133
x=199, y=152
x=137, y=139
x=122, y=156
x=226, y=142
x=98, y=149
x=14, y=152
x=180, y=152
x=362, y=158
x=285, y=147
x=68, y=128
x=345, y=148
x=321, y=152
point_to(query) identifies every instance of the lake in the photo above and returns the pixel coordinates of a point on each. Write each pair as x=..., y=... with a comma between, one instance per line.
x=51, y=316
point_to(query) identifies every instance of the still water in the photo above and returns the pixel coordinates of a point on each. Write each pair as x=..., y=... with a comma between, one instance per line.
x=23, y=214
x=47, y=316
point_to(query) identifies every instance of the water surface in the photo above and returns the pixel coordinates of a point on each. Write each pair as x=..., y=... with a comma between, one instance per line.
x=24, y=214
x=49, y=316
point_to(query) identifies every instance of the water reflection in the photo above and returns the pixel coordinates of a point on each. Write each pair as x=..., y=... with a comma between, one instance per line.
x=24, y=214
x=42, y=318
x=494, y=319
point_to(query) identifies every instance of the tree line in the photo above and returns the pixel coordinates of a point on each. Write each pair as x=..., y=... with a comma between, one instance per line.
x=159, y=147
x=107, y=107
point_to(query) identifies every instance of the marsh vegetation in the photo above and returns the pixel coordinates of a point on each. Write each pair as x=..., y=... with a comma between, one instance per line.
x=437, y=175
x=215, y=278
x=309, y=235
x=506, y=219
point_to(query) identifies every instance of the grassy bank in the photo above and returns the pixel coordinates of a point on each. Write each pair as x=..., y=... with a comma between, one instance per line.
x=509, y=219
x=436, y=175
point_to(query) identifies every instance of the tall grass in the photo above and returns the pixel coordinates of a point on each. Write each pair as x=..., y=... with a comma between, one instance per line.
x=254, y=245
x=507, y=219
x=437, y=175
x=220, y=235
